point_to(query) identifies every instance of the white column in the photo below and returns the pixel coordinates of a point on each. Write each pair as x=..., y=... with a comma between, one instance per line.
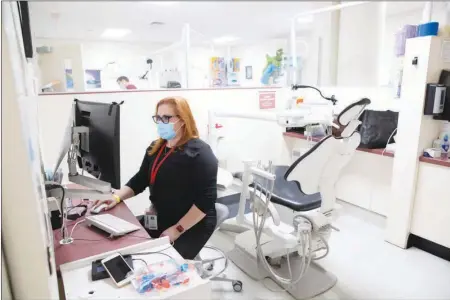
x=293, y=51
x=187, y=46
x=334, y=44
x=415, y=132
x=427, y=11
x=382, y=12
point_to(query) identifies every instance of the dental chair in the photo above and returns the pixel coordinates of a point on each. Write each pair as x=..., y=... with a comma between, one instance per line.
x=307, y=187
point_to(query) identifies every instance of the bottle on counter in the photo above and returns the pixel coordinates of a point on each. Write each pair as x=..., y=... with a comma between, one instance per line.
x=445, y=147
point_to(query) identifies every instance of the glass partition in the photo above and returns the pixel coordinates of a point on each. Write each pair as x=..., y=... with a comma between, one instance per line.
x=191, y=45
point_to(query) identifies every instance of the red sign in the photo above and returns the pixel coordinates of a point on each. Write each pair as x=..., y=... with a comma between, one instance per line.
x=266, y=99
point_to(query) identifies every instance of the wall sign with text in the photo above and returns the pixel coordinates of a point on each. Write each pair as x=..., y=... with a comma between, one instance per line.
x=267, y=99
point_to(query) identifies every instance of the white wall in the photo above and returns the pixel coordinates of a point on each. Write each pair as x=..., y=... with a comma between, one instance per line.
x=24, y=231
x=366, y=55
x=429, y=201
x=130, y=60
x=52, y=66
x=359, y=45
x=254, y=55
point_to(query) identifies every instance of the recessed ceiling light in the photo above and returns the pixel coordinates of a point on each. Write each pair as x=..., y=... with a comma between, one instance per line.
x=115, y=33
x=225, y=39
x=164, y=3
x=157, y=23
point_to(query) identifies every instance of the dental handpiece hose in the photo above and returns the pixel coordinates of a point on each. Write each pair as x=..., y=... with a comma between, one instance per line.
x=260, y=254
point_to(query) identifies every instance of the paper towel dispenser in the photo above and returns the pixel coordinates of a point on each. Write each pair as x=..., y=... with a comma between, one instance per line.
x=435, y=99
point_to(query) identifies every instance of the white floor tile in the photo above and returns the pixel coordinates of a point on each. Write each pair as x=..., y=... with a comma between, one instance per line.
x=367, y=267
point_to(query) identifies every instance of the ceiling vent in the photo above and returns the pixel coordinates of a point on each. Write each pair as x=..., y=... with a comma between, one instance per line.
x=44, y=49
x=157, y=23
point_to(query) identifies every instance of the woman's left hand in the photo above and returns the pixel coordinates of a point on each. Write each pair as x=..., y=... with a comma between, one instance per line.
x=172, y=233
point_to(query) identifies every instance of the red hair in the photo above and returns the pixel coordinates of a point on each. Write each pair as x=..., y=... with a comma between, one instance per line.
x=183, y=111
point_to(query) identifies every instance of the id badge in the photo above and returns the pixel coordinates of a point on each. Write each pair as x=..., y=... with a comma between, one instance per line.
x=151, y=222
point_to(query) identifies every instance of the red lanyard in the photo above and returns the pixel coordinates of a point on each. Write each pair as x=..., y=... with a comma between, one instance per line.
x=156, y=166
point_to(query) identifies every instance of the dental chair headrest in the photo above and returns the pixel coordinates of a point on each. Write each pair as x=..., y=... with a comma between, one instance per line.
x=352, y=112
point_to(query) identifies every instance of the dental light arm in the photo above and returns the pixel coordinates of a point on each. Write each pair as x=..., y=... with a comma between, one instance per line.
x=332, y=98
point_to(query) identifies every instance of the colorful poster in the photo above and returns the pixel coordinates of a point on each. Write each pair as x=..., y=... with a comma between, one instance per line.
x=93, y=79
x=266, y=99
x=218, y=72
x=69, y=79
x=234, y=67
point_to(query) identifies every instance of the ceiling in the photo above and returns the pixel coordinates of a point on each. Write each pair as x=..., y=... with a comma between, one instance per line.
x=246, y=20
x=249, y=21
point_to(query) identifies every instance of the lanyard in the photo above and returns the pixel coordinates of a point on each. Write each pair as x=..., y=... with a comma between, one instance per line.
x=156, y=166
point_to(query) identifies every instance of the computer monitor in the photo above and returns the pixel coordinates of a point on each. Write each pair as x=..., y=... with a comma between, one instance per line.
x=100, y=153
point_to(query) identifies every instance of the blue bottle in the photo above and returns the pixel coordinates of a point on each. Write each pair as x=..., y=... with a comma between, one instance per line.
x=445, y=147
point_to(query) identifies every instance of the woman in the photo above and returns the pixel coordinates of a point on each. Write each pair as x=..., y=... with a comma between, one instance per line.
x=181, y=172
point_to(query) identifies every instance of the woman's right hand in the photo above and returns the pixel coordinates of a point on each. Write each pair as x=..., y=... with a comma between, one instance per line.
x=109, y=202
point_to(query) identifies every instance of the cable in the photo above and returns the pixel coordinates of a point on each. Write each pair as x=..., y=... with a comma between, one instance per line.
x=139, y=259
x=49, y=185
x=258, y=232
x=392, y=134
x=71, y=232
x=327, y=248
x=87, y=240
x=223, y=257
x=154, y=252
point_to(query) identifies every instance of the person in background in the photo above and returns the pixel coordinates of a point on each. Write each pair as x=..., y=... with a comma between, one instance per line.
x=180, y=171
x=125, y=84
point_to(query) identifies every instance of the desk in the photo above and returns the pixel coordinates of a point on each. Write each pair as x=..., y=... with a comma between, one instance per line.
x=88, y=241
x=74, y=261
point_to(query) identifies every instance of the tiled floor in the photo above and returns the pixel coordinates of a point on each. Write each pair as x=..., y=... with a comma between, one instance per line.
x=367, y=267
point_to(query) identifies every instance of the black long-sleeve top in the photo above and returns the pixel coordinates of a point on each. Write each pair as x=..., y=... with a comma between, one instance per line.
x=188, y=176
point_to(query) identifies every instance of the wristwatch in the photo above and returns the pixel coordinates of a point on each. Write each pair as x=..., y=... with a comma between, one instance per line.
x=179, y=228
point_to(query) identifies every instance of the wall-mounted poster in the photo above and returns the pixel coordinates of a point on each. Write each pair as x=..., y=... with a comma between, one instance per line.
x=218, y=72
x=69, y=79
x=267, y=99
x=92, y=79
x=233, y=69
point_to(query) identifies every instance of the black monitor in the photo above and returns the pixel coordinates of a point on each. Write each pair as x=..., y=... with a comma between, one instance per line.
x=100, y=154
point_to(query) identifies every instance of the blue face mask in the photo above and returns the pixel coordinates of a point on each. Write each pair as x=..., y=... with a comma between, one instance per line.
x=166, y=131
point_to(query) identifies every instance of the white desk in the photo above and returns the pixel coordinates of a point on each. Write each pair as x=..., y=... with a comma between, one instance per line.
x=78, y=284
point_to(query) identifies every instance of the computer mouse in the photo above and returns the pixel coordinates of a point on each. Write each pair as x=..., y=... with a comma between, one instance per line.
x=98, y=209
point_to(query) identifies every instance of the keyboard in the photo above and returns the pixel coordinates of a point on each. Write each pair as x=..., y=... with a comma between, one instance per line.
x=111, y=224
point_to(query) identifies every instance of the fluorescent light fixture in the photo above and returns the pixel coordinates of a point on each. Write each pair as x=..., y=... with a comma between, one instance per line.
x=115, y=33
x=305, y=19
x=164, y=3
x=225, y=39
